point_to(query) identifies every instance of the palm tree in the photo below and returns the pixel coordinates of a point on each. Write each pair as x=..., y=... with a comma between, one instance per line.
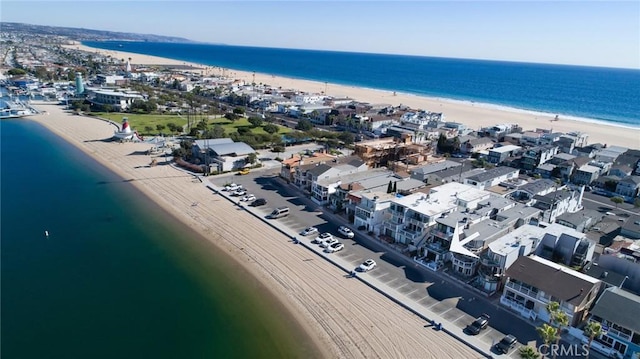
x=561, y=320
x=592, y=330
x=548, y=334
x=528, y=352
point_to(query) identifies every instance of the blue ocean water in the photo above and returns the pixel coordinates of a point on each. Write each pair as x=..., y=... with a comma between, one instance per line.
x=596, y=93
x=117, y=277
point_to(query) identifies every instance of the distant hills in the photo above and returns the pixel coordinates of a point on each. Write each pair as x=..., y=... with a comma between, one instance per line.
x=81, y=34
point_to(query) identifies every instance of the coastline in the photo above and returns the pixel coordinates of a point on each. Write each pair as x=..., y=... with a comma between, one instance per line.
x=474, y=115
x=344, y=318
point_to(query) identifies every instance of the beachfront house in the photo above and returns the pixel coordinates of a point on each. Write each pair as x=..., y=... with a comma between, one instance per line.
x=617, y=311
x=533, y=282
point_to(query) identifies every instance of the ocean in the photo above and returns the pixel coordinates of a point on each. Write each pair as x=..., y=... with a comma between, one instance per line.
x=116, y=277
x=585, y=93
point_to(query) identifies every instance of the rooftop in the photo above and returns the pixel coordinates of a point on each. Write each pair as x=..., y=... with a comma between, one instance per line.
x=620, y=307
x=566, y=284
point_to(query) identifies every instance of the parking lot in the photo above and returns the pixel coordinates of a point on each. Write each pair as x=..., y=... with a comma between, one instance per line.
x=435, y=292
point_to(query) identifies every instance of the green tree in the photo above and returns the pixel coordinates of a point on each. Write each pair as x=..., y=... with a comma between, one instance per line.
x=217, y=132
x=617, y=200
x=347, y=137
x=252, y=158
x=390, y=187
x=270, y=128
x=16, y=72
x=304, y=125
x=395, y=187
x=547, y=333
x=238, y=110
x=559, y=318
x=160, y=127
x=231, y=116
x=592, y=330
x=255, y=121
x=528, y=352
x=148, y=129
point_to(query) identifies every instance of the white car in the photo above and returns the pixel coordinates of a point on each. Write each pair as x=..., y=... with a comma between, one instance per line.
x=309, y=231
x=336, y=247
x=322, y=237
x=239, y=192
x=328, y=242
x=367, y=265
x=346, y=232
x=231, y=187
x=248, y=198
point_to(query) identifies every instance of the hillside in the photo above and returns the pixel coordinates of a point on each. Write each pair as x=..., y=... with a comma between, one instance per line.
x=81, y=34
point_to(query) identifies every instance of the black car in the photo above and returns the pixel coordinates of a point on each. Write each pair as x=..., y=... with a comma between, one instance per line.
x=479, y=324
x=258, y=202
x=507, y=343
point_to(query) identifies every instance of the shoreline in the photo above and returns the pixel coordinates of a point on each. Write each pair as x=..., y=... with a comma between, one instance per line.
x=341, y=317
x=472, y=114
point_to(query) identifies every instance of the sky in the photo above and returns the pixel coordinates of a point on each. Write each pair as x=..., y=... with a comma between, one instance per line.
x=592, y=33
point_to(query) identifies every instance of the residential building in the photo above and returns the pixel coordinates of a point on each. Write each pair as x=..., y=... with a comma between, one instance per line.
x=287, y=170
x=492, y=177
x=533, y=282
x=536, y=156
x=558, y=202
x=617, y=311
x=566, y=246
x=497, y=155
x=629, y=186
x=585, y=174
x=476, y=145
x=411, y=215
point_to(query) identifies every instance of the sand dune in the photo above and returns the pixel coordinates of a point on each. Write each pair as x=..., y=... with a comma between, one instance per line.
x=347, y=318
x=472, y=115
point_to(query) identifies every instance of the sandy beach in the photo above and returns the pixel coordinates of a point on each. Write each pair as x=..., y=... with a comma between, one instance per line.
x=473, y=115
x=346, y=318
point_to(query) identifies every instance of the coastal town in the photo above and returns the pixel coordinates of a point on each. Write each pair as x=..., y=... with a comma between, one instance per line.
x=534, y=230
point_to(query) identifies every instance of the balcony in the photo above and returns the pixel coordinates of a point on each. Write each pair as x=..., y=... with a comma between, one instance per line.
x=437, y=248
x=523, y=290
x=417, y=222
x=443, y=235
x=518, y=307
x=487, y=261
x=411, y=235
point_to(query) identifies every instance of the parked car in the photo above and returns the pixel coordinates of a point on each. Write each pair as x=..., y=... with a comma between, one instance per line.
x=322, y=237
x=244, y=171
x=248, y=198
x=231, y=187
x=346, y=232
x=258, y=202
x=328, y=242
x=367, y=265
x=336, y=247
x=239, y=192
x=309, y=231
x=478, y=325
x=506, y=344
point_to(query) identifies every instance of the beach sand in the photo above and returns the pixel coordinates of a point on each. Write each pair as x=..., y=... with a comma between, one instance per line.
x=346, y=318
x=473, y=115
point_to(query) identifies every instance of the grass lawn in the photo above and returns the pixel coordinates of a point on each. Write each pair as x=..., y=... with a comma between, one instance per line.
x=138, y=122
